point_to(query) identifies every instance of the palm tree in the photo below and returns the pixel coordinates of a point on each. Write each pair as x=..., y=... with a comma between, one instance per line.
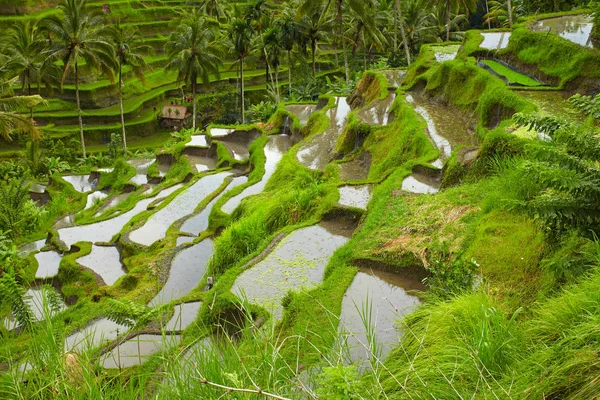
x=257, y=16
x=217, y=9
x=128, y=51
x=365, y=33
x=24, y=46
x=403, y=30
x=193, y=52
x=439, y=24
x=457, y=6
x=273, y=48
x=240, y=34
x=314, y=26
x=289, y=36
x=10, y=120
x=360, y=7
x=74, y=36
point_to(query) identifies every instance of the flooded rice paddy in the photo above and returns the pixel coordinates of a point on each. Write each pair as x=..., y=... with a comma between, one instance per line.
x=380, y=299
x=197, y=141
x=355, y=196
x=495, y=40
x=420, y=183
x=297, y=262
x=302, y=111
x=378, y=112
x=106, y=262
x=575, y=28
x=275, y=148
x=99, y=333
x=81, y=183
x=48, y=263
x=317, y=152
x=187, y=269
x=183, y=316
x=137, y=350
x=184, y=204
x=395, y=77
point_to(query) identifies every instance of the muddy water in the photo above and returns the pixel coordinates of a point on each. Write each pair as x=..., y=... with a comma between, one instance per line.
x=394, y=77
x=163, y=169
x=97, y=334
x=81, y=183
x=419, y=183
x=446, y=127
x=217, y=132
x=183, y=316
x=390, y=297
x=187, y=269
x=156, y=226
x=197, y=141
x=495, y=40
x=552, y=102
x=141, y=170
x=239, y=150
x=199, y=223
x=575, y=28
x=276, y=146
x=201, y=163
x=298, y=261
x=357, y=169
x=106, y=262
x=317, y=152
x=48, y=263
x=355, y=196
x=95, y=197
x=378, y=112
x=302, y=111
x=137, y=350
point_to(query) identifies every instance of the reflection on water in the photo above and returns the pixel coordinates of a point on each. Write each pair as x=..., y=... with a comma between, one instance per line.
x=106, y=262
x=184, y=204
x=419, y=183
x=199, y=223
x=378, y=112
x=317, y=152
x=276, y=146
x=141, y=170
x=187, y=269
x=81, y=183
x=495, y=40
x=575, y=28
x=355, y=196
x=197, y=141
x=297, y=262
x=99, y=333
x=394, y=77
x=137, y=350
x=183, y=316
x=48, y=263
x=383, y=296
x=302, y=111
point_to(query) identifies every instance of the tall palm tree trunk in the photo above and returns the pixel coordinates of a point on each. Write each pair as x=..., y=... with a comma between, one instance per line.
x=313, y=47
x=289, y=71
x=194, y=104
x=277, y=82
x=403, y=31
x=341, y=36
x=510, y=15
x=242, y=90
x=447, y=20
x=79, y=110
x=121, y=108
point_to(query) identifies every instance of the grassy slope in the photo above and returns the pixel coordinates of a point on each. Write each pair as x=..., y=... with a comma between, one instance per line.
x=512, y=76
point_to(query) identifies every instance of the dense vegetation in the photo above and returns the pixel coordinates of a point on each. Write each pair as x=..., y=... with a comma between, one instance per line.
x=506, y=244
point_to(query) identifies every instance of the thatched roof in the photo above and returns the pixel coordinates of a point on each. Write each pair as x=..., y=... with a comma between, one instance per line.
x=183, y=112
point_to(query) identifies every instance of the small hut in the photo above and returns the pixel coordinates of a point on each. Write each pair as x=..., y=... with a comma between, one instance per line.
x=174, y=117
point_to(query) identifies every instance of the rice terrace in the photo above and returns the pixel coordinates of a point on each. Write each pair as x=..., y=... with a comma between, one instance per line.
x=299, y=199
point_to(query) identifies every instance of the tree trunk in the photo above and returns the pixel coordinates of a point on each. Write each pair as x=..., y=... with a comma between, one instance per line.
x=277, y=82
x=29, y=92
x=237, y=89
x=403, y=32
x=243, y=94
x=194, y=105
x=313, y=47
x=290, y=72
x=447, y=20
x=341, y=35
x=79, y=110
x=510, y=16
x=121, y=108
x=335, y=52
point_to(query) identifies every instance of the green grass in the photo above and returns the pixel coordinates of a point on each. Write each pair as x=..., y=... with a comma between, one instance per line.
x=513, y=77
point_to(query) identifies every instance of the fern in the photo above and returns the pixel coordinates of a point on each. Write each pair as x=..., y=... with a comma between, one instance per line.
x=12, y=294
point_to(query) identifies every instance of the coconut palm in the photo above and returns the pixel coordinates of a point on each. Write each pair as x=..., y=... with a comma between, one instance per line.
x=240, y=35
x=10, y=120
x=365, y=33
x=128, y=51
x=289, y=36
x=77, y=35
x=24, y=46
x=193, y=52
x=273, y=48
x=398, y=5
x=359, y=7
x=315, y=26
x=456, y=6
